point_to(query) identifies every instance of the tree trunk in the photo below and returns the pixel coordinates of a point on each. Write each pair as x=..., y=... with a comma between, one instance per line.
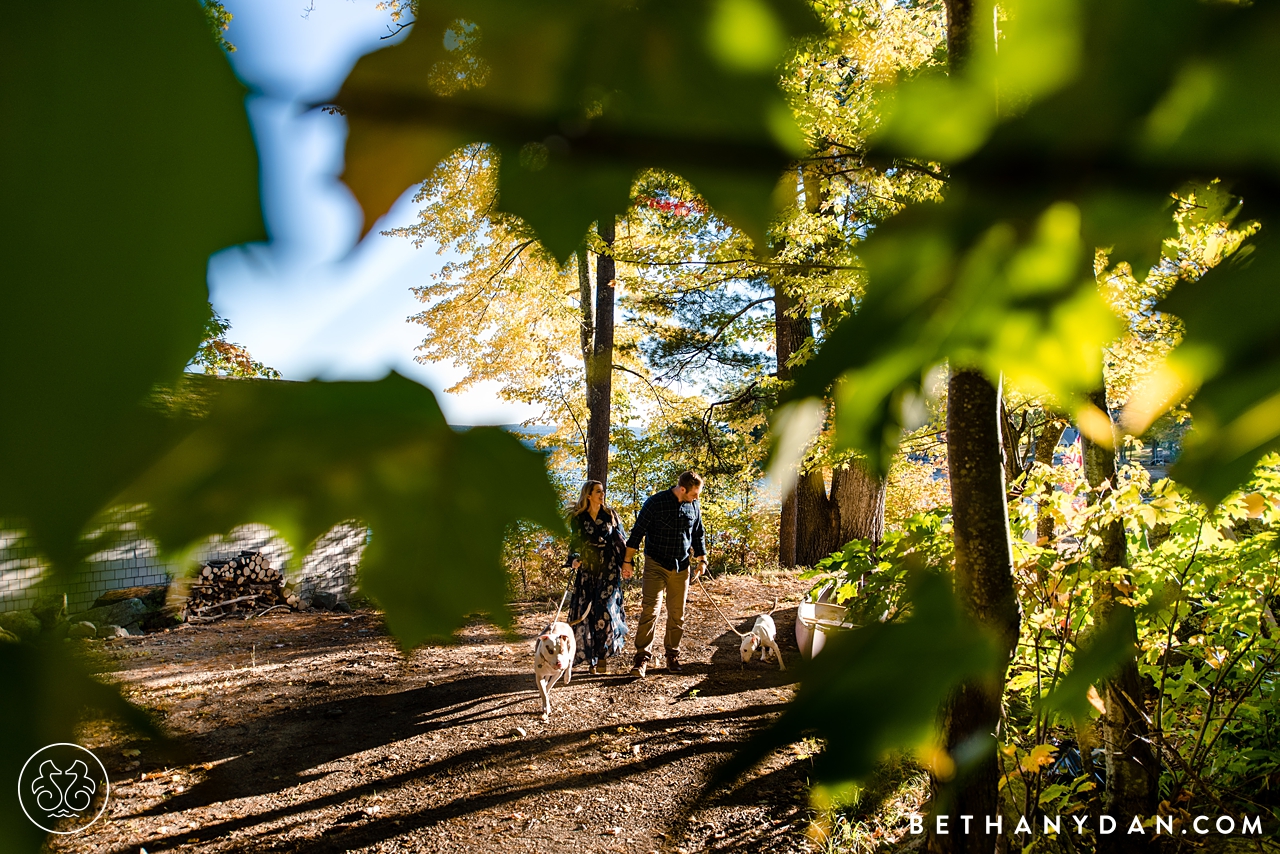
x=1132, y=770
x=787, y=529
x=587, y=330
x=600, y=365
x=859, y=497
x=983, y=557
x=789, y=336
x=984, y=585
x=959, y=33
x=1046, y=444
x=815, y=518
x=1011, y=442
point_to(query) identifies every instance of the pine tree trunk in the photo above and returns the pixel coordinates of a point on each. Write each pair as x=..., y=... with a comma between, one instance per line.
x=1132, y=770
x=789, y=335
x=600, y=365
x=859, y=497
x=984, y=586
x=587, y=330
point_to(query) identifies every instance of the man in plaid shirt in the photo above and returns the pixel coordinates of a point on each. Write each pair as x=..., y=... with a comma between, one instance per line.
x=670, y=523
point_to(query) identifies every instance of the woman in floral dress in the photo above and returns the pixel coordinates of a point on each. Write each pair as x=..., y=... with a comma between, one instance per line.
x=599, y=544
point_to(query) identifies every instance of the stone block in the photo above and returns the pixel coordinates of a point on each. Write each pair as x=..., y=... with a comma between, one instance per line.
x=49, y=609
x=24, y=624
x=152, y=597
x=324, y=599
x=125, y=613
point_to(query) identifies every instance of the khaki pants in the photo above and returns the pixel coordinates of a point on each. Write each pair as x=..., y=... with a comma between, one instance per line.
x=656, y=581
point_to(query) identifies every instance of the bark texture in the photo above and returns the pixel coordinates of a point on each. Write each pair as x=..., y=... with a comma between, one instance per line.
x=854, y=506
x=587, y=331
x=1012, y=430
x=983, y=558
x=859, y=500
x=1132, y=770
x=959, y=33
x=600, y=364
x=984, y=586
x=826, y=520
x=789, y=336
x=815, y=518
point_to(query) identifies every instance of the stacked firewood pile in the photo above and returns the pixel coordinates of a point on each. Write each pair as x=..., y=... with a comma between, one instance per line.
x=244, y=583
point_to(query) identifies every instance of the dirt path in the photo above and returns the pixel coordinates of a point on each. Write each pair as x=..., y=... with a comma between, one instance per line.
x=311, y=733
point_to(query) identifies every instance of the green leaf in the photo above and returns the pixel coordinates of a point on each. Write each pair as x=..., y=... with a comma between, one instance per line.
x=578, y=96
x=1097, y=658
x=1221, y=115
x=303, y=457
x=1232, y=347
x=1015, y=297
x=1052, y=793
x=127, y=161
x=878, y=688
x=49, y=691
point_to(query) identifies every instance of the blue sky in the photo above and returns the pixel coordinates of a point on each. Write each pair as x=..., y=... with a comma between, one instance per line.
x=313, y=302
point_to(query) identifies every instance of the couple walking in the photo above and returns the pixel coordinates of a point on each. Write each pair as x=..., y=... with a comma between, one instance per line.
x=670, y=524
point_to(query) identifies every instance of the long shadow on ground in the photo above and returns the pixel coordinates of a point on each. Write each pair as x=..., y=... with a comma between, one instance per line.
x=247, y=776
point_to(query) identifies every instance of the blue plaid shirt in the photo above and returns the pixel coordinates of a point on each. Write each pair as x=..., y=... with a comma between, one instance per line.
x=669, y=529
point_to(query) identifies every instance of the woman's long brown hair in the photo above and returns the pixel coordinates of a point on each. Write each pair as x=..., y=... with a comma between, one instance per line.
x=587, y=489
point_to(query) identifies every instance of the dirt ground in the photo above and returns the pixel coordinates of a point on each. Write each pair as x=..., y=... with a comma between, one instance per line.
x=310, y=732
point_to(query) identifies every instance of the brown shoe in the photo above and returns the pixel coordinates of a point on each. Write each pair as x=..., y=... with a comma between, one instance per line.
x=602, y=668
x=639, y=666
x=673, y=661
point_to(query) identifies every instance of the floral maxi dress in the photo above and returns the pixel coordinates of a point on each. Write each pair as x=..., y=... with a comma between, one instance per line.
x=601, y=545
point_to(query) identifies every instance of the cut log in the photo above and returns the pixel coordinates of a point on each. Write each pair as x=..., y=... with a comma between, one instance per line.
x=235, y=585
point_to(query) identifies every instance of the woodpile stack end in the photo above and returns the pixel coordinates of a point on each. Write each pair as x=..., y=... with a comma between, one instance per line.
x=247, y=582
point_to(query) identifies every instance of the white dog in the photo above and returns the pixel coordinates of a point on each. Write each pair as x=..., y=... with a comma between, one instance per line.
x=764, y=637
x=553, y=655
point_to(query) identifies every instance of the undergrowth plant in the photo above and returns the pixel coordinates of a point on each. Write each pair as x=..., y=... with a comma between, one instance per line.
x=1204, y=586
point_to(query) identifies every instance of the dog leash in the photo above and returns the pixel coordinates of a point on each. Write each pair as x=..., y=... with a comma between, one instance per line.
x=567, y=588
x=707, y=593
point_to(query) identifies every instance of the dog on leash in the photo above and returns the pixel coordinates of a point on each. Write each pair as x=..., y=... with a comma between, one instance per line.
x=553, y=656
x=764, y=637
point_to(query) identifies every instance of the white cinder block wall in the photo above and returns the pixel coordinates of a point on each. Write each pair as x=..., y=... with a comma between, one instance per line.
x=135, y=562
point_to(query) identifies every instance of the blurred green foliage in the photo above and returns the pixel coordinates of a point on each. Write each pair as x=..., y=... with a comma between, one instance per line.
x=49, y=690
x=135, y=120
x=578, y=96
x=303, y=457
x=117, y=112
x=1069, y=131
x=881, y=704
x=1049, y=157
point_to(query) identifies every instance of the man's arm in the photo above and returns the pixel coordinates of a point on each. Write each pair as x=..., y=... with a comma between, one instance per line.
x=699, y=537
x=699, y=548
x=640, y=528
x=637, y=534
